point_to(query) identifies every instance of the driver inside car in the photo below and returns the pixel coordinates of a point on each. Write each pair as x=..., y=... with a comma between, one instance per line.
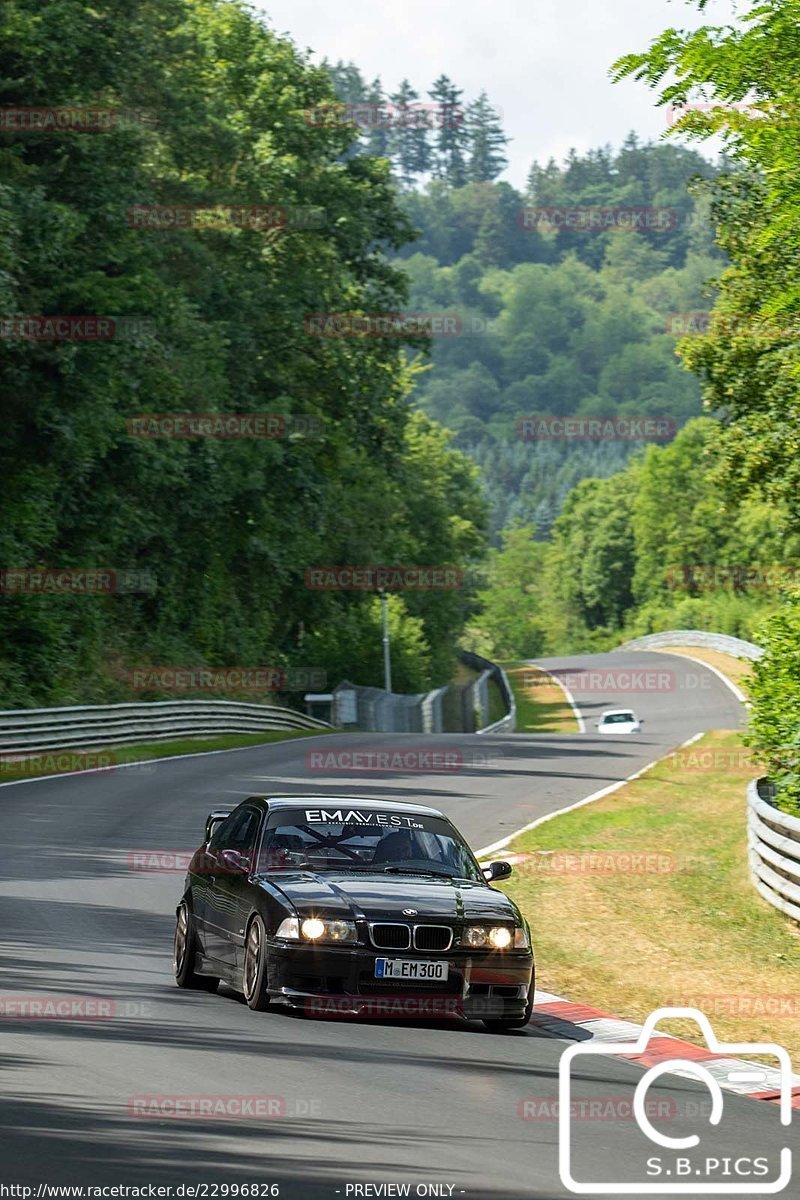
x=279, y=850
x=396, y=846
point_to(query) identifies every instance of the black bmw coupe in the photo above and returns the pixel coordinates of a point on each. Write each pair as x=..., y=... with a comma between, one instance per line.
x=352, y=908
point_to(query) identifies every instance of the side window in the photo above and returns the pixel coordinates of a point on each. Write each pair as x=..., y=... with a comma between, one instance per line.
x=238, y=832
x=243, y=838
x=219, y=838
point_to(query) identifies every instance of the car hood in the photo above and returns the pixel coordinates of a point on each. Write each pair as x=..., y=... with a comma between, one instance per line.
x=376, y=897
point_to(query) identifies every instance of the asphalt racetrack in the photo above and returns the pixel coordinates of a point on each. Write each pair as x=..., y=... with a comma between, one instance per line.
x=356, y=1103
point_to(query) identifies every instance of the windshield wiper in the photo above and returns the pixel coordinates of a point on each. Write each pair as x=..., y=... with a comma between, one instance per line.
x=324, y=865
x=301, y=866
x=396, y=870
x=349, y=866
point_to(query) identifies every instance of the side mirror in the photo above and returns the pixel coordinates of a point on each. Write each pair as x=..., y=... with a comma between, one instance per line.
x=213, y=820
x=233, y=861
x=497, y=870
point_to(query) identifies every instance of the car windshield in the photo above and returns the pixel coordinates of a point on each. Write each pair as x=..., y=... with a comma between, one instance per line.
x=365, y=840
x=620, y=718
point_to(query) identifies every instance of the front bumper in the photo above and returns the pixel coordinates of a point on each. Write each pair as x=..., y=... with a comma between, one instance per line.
x=339, y=980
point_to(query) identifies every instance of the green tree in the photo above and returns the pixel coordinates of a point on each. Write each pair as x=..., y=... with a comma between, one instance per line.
x=593, y=556
x=748, y=362
x=775, y=701
x=452, y=135
x=408, y=141
x=510, y=615
x=348, y=82
x=227, y=528
x=377, y=138
x=487, y=141
x=678, y=518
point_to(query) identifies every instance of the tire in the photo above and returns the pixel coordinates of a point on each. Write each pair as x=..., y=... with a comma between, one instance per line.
x=254, y=974
x=501, y=1024
x=185, y=954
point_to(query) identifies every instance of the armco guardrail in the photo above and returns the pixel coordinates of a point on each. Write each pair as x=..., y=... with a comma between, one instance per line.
x=451, y=709
x=34, y=729
x=774, y=846
x=695, y=637
x=490, y=670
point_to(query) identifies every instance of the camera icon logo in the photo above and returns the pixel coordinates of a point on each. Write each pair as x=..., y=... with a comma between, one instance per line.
x=678, y=1172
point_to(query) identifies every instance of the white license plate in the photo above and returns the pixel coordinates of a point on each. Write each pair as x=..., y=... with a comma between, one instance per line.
x=406, y=968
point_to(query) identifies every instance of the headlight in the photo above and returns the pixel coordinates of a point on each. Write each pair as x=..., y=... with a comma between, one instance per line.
x=494, y=937
x=316, y=929
x=475, y=936
x=312, y=928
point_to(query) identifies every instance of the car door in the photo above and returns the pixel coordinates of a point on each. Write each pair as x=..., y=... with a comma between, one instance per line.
x=230, y=895
x=201, y=875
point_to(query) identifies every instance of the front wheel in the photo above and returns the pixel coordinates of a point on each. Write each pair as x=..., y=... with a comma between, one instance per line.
x=184, y=957
x=255, y=966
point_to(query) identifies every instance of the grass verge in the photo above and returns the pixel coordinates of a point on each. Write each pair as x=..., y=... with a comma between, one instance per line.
x=687, y=929
x=542, y=706
x=55, y=762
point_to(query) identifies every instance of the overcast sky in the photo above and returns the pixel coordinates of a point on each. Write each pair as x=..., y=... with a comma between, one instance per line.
x=543, y=63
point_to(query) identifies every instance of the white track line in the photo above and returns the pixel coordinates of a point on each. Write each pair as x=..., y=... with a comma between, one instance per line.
x=570, y=698
x=738, y=693
x=614, y=786
x=606, y=791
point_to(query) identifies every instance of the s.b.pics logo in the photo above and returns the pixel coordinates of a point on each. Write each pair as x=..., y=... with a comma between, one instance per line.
x=695, y=1152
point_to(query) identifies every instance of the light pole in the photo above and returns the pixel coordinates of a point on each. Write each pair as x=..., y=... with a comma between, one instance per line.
x=387, y=659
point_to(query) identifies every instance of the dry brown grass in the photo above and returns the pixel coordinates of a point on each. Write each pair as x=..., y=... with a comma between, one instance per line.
x=698, y=933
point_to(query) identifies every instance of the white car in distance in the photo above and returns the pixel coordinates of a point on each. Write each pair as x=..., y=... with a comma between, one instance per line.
x=619, y=720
